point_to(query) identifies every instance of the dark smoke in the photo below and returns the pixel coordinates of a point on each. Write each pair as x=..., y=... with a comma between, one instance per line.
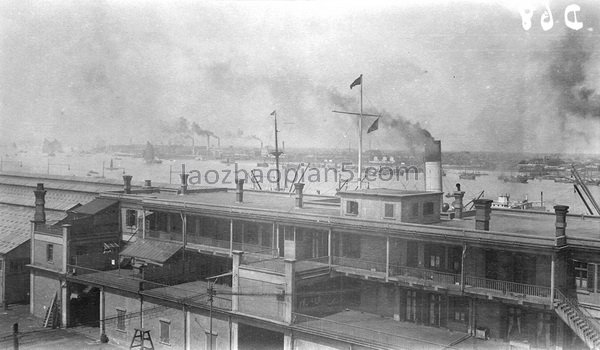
x=568, y=76
x=398, y=128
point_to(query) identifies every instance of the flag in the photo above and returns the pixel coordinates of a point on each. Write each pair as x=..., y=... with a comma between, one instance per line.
x=374, y=126
x=273, y=113
x=358, y=81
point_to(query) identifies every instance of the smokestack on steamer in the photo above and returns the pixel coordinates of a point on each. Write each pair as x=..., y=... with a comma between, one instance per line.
x=433, y=166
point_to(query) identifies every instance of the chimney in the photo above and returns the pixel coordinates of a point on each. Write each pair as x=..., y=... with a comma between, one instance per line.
x=299, y=195
x=184, y=182
x=39, y=216
x=433, y=166
x=561, y=220
x=127, y=183
x=147, y=183
x=483, y=208
x=239, y=190
x=458, y=202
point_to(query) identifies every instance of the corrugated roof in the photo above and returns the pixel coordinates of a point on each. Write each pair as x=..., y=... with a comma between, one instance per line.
x=15, y=225
x=152, y=250
x=55, y=199
x=95, y=206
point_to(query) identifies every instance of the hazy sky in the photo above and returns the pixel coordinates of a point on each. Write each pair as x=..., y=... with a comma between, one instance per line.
x=468, y=72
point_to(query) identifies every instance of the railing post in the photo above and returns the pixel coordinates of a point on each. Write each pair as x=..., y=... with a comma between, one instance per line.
x=329, y=248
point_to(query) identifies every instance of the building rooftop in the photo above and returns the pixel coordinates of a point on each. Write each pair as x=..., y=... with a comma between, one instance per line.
x=15, y=225
x=533, y=224
x=515, y=226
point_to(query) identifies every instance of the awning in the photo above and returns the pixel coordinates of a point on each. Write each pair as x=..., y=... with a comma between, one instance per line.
x=152, y=251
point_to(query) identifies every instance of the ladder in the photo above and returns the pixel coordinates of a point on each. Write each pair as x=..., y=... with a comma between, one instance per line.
x=51, y=318
x=140, y=338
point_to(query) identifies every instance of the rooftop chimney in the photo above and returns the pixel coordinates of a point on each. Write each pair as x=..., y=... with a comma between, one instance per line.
x=483, y=208
x=147, y=183
x=39, y=216
x=299, y=195
x=433, y=166
x=127, y=183
x=184, y=182
x=239, y=190
x=561, y=220
x=458, y=202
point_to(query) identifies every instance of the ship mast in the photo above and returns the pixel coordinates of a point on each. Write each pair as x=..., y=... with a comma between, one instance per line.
x=276, y=153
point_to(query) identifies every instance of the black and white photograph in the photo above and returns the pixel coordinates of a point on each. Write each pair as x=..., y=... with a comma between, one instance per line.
x=299, y=175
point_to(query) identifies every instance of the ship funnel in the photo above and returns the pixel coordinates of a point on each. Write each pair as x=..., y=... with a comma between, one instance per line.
x=433, y=166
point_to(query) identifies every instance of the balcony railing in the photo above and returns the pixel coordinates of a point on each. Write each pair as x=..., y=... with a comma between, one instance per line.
x=208, y=241
x=359, y=264
x=426, y=274
x=508, y=287
x=445, y=278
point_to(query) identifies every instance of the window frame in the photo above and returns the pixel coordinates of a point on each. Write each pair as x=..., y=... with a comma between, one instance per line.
x=131, y=217
x=50, y=253
x=161, y=338
x=351, y=208
x=580, y=269
x=391, y=207
x=121, y=320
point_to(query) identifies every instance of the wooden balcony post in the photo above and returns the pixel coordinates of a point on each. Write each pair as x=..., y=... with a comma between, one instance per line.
x=387, y=258
x=230, y=237
x=462, y=268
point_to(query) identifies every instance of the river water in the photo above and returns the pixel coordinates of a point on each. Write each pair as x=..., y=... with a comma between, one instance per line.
x=217, y=173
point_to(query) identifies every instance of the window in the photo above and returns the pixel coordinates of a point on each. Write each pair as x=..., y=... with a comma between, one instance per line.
x=50, y=253
x=581, y=274
x=165, y=330
x=411, y=305
x=211, y=341
x=414, y=210
x=352, y=207
x=459, y=310
x=121, y=319
x=131, y=217
x=428, y=208
x=389, y=210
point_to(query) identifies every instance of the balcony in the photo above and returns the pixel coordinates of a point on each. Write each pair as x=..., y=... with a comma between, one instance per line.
x=434, y=279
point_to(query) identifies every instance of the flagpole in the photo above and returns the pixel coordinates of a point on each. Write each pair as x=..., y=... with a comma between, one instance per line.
x=360, y=134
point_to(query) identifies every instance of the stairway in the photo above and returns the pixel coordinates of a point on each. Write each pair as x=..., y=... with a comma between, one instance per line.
x=51, y=317
x=576, y=318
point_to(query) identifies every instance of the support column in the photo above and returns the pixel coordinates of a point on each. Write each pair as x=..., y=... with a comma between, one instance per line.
x=144, y=224
x=64, y=303
x=103, y=337
x=329, y=248
x=186, y=329
x=277, y=233
x=64, y=286
x=387, y=258
x=552, y=282
x=288, y=340
x=235, y=280
x=230, y=237
x=290, y=286
x=234, y=335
